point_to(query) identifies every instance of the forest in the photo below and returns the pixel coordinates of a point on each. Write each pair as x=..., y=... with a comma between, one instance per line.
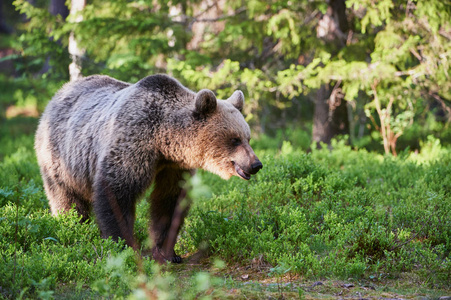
x=349, y=105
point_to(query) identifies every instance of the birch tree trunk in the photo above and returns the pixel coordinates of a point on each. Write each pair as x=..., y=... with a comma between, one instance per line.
x=75, y=51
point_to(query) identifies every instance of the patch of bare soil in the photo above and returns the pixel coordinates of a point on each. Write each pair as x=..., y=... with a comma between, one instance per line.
x=254, y=280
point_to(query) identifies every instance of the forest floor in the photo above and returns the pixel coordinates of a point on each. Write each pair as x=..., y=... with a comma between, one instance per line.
x=255, y=282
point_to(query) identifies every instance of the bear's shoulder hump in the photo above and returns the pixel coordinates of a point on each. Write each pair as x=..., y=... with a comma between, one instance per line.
x=160, y=82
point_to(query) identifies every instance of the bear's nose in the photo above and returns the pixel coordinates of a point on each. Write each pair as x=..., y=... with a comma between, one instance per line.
x=256, y=166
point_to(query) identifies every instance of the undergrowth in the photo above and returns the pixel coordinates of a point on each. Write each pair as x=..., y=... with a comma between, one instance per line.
x=339, y=213
x=336, y=214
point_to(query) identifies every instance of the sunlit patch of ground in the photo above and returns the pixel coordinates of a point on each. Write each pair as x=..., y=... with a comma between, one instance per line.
x=16, y=111
x=256, y=281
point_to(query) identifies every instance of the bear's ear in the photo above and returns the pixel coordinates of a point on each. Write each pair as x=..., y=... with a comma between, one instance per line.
x=237, y=99
x=205, y=102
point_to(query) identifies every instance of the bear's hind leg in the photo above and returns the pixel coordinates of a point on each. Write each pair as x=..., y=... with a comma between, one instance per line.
x=61, y=198
x=167, y=214
x=82, y=206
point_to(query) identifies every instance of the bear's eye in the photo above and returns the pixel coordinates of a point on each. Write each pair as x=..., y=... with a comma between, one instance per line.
x=236, y=142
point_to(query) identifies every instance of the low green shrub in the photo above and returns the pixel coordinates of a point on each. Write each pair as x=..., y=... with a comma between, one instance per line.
x=338, y=213
x=341, y=213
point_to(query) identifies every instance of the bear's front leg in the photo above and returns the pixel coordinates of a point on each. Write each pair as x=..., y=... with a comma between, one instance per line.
x=168, y=210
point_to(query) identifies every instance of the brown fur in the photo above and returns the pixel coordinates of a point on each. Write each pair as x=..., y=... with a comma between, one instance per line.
x=102, y=142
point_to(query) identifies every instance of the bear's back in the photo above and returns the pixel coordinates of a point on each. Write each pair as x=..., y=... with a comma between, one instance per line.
x=167, y=91
x=83, y=96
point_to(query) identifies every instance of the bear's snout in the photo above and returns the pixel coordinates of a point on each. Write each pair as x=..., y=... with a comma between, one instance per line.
x=246, y=172
x=255, y=167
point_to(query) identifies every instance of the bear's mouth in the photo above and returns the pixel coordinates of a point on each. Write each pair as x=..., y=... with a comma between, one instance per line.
x=241, y=172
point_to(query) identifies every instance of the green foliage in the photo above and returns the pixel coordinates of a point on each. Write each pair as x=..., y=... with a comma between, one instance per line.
x=44, y=42
x=402, y=52
x=341, y=213
x=337, y=214
x=377, y=15
x=396, y=50
x=25, y=93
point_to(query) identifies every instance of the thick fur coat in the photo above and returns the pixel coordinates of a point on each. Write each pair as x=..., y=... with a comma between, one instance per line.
x=101, y=143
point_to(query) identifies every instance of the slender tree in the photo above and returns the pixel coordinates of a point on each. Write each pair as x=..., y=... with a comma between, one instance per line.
x=75, y=51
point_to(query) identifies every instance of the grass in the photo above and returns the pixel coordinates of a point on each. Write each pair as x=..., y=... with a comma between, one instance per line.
x=324, y=224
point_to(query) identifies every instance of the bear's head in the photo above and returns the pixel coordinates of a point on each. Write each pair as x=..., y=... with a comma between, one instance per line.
x=224, y=136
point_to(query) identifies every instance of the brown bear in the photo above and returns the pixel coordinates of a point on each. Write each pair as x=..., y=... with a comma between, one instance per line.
x=101, y=143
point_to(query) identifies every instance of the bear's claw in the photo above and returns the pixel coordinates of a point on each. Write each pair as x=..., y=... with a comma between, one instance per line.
x=160, y=258
x=176, y=259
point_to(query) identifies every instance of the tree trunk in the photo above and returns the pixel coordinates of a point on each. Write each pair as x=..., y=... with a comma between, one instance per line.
x=330, y=115
x=58, y=7
x=75, y=51
x=4, y=28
